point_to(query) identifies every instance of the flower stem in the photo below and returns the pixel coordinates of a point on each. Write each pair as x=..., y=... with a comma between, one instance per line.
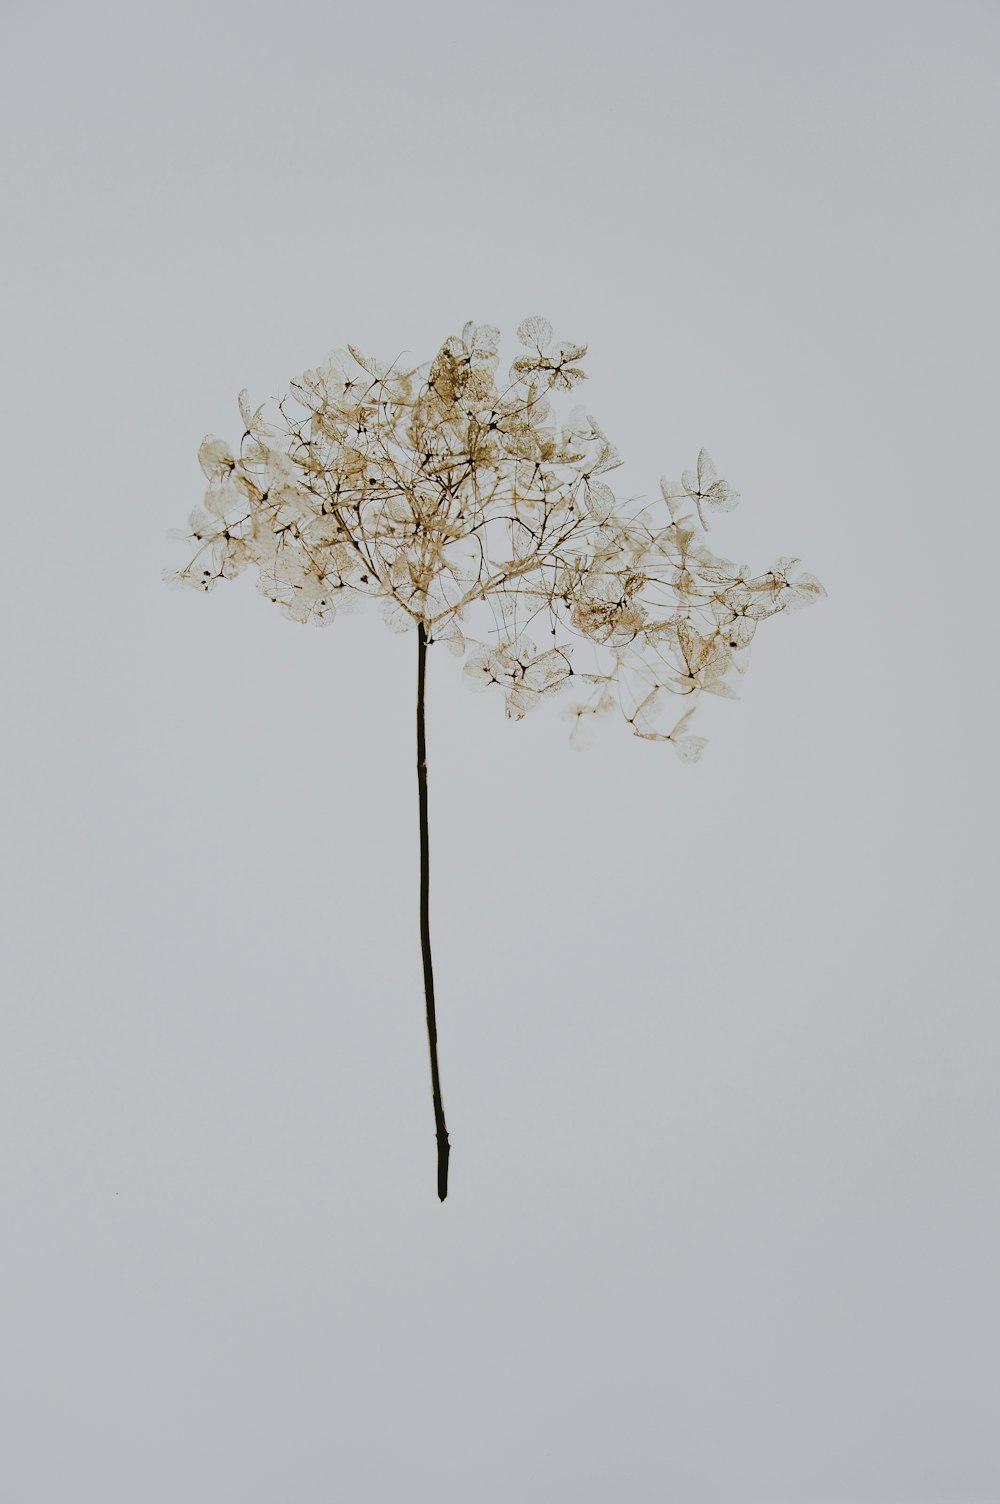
x=443, y=1146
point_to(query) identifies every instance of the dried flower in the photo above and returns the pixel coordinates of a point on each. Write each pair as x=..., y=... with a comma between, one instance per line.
x=442, y=495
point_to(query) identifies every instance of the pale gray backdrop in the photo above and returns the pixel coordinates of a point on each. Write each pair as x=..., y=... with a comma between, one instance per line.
x=718, y=1043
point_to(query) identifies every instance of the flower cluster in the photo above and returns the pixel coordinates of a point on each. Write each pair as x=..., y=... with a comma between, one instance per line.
x=440, y=492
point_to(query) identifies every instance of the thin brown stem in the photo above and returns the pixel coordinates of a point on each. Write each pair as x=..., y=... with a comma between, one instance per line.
x=443, y=1146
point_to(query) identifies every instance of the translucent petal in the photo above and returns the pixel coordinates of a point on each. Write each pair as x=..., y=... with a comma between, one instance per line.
x=721, y=688
x=535, y=331
x=395, y=616
x=451, y=634
x=479, y=669
x=565, y=377
x=599, y=499
x=548, y=671
x=482, y=339
x=178, y=579
x=582, y=735
x=647, y=717
x=201, y=524
x=721, y=496
x=374, y=368
x=608, y=459
x=679, y=726
x=688, y=748
x=676, y=497
x=521, y=698
x=215, y=457
x=220, y=499
x=803, y=591
x=526, y=368
x=252, y=421
x=349, y=602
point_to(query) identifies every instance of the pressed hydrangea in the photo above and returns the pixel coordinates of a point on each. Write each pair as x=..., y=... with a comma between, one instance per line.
x=473, y=513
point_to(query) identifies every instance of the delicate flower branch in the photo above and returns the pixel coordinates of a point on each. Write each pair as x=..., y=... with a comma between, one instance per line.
x=438, y=490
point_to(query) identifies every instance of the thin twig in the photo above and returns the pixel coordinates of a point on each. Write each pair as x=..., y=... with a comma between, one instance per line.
x=443, y=1146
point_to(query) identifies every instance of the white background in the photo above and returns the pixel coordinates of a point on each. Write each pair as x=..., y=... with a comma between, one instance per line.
x=719, y=1045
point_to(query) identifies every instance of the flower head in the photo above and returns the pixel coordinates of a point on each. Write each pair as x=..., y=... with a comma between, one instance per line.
x=444, y=494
